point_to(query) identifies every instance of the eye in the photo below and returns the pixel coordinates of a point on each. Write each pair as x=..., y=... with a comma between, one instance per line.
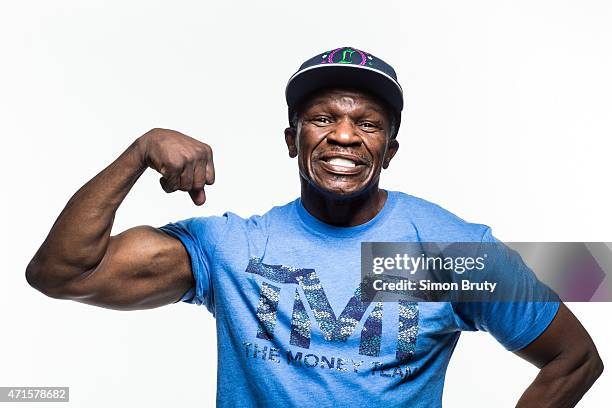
x=369, y=126
x=322, y=120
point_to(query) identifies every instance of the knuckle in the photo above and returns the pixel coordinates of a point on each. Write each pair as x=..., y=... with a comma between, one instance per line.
x=205, y=149
x=157, y=131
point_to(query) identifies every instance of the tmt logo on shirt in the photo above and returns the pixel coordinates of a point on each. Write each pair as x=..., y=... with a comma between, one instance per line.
x=333, y=329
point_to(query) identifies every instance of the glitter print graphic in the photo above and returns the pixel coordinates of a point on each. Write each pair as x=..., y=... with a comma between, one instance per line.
x=372, y=332
x=334, y=329
x=408, y=329
x=300, y=323
x=266, y=311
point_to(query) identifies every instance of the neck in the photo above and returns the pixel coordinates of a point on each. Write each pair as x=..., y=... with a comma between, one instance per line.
x=342, y=211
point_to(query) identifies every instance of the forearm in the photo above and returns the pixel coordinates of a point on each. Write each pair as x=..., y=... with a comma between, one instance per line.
x=562, y=382
x=79, y=237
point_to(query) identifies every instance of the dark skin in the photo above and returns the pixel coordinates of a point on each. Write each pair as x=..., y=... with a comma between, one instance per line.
x=342, y=142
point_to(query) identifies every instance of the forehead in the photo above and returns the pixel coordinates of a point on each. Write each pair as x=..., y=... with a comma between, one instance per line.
x=345, y=97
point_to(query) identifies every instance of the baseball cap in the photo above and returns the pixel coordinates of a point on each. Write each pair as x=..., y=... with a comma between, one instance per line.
x=350, y=67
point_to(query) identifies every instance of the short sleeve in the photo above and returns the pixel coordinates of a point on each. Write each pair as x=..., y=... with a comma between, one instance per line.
x=200, y=237
x=515, y=324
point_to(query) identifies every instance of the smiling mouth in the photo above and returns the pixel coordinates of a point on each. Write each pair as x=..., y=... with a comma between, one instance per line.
x=342, y=165
x=342, y=162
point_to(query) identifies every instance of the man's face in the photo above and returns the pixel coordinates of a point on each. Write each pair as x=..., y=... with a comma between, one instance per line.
x=342, y=141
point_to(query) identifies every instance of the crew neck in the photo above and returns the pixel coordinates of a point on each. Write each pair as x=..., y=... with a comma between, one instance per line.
x=314, y=224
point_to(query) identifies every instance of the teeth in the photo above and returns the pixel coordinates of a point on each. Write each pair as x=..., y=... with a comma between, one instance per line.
x=341, y=162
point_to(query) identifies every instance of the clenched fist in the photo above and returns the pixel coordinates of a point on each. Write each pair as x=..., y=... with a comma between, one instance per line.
x=185, y=163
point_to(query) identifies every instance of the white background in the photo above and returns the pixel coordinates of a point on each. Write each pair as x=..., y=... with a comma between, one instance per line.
x=507, y=123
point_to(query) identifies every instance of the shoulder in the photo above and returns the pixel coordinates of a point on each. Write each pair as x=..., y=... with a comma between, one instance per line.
x=434, y=223
x=265, y=220
x=210, y=230
x=253, y=225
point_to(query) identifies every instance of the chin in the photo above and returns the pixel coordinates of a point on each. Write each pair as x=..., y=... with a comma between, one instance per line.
x=340, y=190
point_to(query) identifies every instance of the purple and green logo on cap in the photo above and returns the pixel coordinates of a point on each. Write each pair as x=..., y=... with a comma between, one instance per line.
x=347, y=55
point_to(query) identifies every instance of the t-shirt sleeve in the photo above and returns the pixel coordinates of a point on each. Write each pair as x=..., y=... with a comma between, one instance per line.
x=200, y=237
x=515, y=324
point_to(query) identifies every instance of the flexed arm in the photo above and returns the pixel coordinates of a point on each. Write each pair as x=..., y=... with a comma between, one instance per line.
x=142, y=267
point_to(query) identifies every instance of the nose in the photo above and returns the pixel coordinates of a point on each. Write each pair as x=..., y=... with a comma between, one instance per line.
x=344, y=134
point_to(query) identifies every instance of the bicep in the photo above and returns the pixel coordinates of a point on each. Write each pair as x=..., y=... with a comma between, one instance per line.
x=142, y=268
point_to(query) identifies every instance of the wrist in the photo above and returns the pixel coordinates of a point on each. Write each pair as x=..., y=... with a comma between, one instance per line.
x=137, y=152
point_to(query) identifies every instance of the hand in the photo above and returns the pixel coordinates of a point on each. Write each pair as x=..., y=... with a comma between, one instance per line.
x=185, y=163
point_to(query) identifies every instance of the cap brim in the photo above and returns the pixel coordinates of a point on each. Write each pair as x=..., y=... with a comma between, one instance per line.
x=321, y=76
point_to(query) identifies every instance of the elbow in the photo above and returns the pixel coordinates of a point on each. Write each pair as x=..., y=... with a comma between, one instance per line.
x=37, y=276
x=591, y=366
x=32, y=275
x=597, y=365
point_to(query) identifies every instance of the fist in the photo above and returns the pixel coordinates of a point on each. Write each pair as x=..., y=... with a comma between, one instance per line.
x=185, y=163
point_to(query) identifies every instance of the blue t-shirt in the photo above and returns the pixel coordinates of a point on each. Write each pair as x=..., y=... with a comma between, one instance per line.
x=292, y=330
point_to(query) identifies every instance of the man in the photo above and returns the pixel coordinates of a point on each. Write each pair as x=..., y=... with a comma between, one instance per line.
x=284, y=287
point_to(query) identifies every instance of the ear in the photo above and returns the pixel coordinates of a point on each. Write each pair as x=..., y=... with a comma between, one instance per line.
x=290, y=139
x=391, y=150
